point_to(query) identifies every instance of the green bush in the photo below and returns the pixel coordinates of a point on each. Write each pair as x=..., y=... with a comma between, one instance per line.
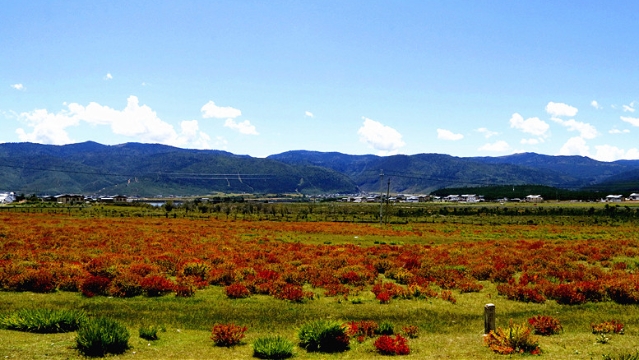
x=44, y=321
x=323, y=336
x=150, y=332
x=102, y=336
x=386, y=328
x=272, y=347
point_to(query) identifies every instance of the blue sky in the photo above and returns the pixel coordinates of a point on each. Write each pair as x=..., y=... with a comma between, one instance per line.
x=466, y=78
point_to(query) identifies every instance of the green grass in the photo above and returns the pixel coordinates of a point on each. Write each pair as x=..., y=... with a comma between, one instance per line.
x=446, y=330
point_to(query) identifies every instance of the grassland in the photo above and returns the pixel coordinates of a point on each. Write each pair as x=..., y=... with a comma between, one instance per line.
x=37, y=238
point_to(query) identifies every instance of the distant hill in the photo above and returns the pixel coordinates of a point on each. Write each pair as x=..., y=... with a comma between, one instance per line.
x=424, y=173
x=585, y=170
x=152, y=169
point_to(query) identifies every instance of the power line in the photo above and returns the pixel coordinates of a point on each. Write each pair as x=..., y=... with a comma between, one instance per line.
x=176, y=175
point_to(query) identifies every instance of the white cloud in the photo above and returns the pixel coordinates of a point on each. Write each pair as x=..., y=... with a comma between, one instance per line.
x=308, y=114
x=487, y=133
x=596, y=105
x=210, y=110
x=444, y=134
x=384, y=139
x=243, y=127
x=575, y=146
x=499, y=146
x=531, y=141
x=191, y=135
x=617, y=131
x=612, y=153
x=108, y=76
x=18, y=87
x=135, y=120
x=629, y=108
x=585, y=130
x=631, y=121
x=47, y=128
x=533, y=126
x=560, y=109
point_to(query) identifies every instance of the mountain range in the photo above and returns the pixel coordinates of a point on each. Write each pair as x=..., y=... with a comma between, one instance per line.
x=152, y=169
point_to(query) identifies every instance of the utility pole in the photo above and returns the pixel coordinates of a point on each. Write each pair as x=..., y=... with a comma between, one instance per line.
x=381, y=191
x=387, y=199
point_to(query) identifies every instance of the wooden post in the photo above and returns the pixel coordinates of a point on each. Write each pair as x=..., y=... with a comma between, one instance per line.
x=489, y=318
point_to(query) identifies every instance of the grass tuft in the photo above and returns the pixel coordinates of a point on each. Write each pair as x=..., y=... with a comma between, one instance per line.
x=44, y=321
x=273, y=347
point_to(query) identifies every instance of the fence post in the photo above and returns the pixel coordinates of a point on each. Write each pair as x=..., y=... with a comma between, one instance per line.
x=489, y=318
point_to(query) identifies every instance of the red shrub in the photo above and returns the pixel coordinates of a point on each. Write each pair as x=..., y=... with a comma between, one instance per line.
x=40, y=281
x=411, y=331
x=237, y=291
x=293, y=293
x=184, y=288
x=336, y=289
x=95, y=285
x=383, y=297
x=364, y=328
x=567, y=294
x=227, y=334
x=156, y=285
x=447, y=295
x=521, y=293
x=387, y=345
x=606, y=327
x=624, y=291
x=142, y=269
x=126, y=285
x=545, y=325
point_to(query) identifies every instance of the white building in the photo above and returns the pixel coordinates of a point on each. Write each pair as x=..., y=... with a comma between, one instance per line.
x=633, y=196
x=469, y=198
x=614, y=198
x=7, y=198
x=534, y=198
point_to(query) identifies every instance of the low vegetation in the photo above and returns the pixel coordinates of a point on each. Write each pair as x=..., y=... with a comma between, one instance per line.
x=237, y=282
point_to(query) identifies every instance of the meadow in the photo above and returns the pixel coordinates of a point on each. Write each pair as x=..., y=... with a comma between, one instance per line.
x=275, y=268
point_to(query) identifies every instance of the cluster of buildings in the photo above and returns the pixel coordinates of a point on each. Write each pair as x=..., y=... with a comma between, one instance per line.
x=376, y=198
x=620, y=198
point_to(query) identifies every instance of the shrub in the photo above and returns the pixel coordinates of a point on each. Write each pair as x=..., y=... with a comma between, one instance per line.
x=40, y=281
x=184, y=288
x=156, y=285
x=323, y=336
x=517, y=338
x=386, y=328
x=102, y=336
x=362, y=329
x=293, y=293
x=384, y=297
x=607, y=327
x=545, y=325
x=237, y=291
x=447, y=295
x=227, y=334
x=150, y=332
x=567, y=294
x=44, y=320
x=126, y=285
x=273, y=347
x=411, y=331
x=387, y=345
x=95, y=285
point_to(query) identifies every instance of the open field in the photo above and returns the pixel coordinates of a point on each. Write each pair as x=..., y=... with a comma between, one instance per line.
x=438, y=276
